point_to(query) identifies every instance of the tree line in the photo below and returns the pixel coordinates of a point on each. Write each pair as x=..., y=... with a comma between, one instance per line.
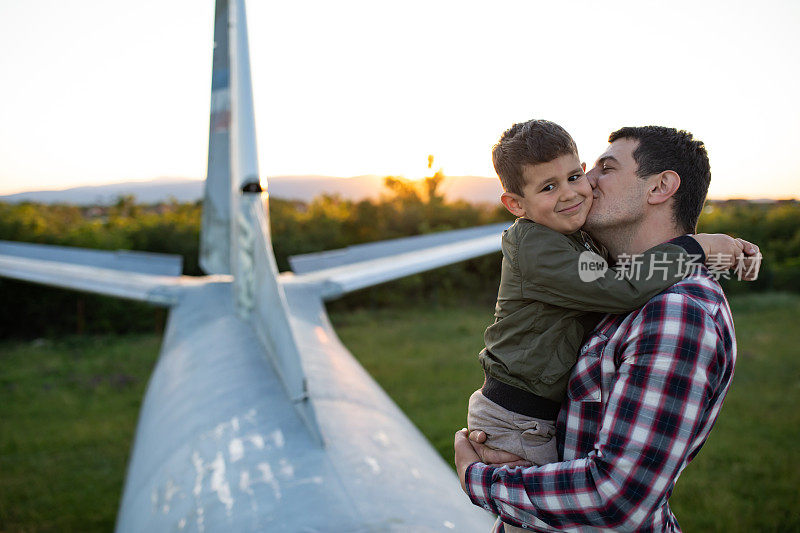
x=327, y=222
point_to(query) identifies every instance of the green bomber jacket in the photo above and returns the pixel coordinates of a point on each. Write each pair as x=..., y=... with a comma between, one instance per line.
x=545, y=304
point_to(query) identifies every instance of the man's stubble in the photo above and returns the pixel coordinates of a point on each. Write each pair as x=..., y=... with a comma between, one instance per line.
x=614, y=224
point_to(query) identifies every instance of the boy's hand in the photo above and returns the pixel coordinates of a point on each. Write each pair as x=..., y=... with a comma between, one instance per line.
x=720, y=249
x=724, y=251
x=749, y=263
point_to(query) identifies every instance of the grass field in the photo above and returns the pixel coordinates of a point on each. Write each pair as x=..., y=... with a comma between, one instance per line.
x=68, y=411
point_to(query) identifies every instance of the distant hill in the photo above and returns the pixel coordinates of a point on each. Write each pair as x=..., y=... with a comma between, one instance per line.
x=474, y=189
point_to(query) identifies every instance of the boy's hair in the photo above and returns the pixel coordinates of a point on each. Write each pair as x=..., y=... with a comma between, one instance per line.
x=663, y=149
x=528, y=143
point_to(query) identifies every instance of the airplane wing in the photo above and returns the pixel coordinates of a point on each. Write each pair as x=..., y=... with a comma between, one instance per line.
x=126, y=260
x=142, y=276
x=339, y=272
x=256, y=416
x=303, y=264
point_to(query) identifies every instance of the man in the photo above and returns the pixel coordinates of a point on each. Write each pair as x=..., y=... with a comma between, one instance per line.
x=647, y=386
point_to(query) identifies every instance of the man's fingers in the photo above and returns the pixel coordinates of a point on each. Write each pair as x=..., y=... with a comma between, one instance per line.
x=490, y=455
x=465, y=454
x=477, y=436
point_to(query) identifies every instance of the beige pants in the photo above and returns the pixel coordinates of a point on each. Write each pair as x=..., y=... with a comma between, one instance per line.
x=533, y=439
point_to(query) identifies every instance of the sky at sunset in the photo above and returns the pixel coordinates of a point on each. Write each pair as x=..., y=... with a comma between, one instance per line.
x=98, y=92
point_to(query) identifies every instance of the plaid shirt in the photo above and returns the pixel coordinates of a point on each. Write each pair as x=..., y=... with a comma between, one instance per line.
x=641, y=402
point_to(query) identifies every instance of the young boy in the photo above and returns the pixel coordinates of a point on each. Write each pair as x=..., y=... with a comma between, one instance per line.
x=545, y=304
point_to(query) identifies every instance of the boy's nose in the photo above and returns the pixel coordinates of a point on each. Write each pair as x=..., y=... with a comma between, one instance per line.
x=567, y=194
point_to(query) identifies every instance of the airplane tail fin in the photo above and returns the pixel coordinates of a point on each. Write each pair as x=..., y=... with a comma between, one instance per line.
x=235, y=236
x=215, y=244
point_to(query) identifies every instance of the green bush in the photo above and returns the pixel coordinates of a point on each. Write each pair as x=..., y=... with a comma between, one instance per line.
x=327, y=222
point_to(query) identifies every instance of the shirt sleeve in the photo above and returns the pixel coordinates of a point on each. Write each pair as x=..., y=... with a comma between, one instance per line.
x=553, y=271
x=654, y=421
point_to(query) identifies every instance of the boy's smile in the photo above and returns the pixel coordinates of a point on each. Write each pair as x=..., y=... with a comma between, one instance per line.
x=556, y=194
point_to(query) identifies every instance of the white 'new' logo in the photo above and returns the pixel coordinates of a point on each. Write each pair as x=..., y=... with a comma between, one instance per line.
x=591, y=266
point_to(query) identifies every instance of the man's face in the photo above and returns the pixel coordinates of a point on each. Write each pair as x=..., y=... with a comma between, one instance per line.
x=620, y=196
x=556, y=194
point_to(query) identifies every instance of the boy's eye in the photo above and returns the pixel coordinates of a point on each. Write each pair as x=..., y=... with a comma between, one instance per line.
x=548, y=188
x=576, y=177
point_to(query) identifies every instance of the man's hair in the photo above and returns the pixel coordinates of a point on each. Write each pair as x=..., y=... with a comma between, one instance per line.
x=663, y=149
x=528, y=143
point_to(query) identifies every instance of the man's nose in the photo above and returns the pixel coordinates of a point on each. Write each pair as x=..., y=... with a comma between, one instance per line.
x=592, y=177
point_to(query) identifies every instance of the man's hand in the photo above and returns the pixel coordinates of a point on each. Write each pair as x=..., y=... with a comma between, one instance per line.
x=465, y=456
x=469, y=448
x=493, y=457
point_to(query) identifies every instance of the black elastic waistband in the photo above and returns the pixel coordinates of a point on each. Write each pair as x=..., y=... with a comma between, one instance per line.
x=518, y=400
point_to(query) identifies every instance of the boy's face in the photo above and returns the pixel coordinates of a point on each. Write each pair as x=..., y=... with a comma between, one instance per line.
x=556, y=194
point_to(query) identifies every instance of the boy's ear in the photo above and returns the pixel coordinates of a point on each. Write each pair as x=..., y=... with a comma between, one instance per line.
x=663, y=187
x=512, y=202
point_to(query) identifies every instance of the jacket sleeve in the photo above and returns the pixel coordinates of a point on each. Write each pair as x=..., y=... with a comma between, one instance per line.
x=553, y=271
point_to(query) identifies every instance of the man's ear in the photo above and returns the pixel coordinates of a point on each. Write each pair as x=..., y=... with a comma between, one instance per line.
x=512, y=202
x=663, y=187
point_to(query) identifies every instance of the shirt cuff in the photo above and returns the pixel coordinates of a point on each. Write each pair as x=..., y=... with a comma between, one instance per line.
x=478, y=480
x=692, y=247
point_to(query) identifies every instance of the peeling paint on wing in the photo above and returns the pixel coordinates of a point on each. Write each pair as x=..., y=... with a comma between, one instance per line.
x=219, y=484
x=269, y=478
x=236, y=449
x=277, y=438
x=171, y=490
x=287, y=470
x=257, y=441
x=373, y=465
x=200, y=473
x=244, y=483
x=201, y=520
x=382, y=438
x=315, y=480
x=449, y=525
x=415, y=473
x=182, y=523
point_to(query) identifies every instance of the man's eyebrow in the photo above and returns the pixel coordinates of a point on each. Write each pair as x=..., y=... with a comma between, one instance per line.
x=605, y=158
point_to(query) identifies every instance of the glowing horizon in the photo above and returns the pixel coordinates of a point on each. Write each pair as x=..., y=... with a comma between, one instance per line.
x=108, y=93
x=790, y=196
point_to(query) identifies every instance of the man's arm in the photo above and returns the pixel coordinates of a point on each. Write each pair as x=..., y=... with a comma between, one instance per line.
x=655, y=418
